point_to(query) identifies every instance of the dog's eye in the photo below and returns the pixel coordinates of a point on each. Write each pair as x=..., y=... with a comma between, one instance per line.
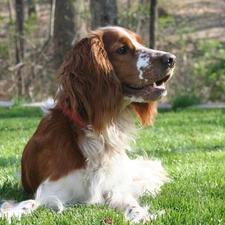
x=122, y=50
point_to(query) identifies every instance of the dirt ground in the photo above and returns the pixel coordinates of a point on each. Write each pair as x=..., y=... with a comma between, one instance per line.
x=205, y=18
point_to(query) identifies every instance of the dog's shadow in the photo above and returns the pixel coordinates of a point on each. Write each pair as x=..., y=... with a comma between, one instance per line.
x=12, y=190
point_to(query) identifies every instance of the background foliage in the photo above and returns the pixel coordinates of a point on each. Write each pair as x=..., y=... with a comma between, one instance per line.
x=193, y=30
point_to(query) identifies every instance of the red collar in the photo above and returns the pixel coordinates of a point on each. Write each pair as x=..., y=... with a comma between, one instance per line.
x=74, y=117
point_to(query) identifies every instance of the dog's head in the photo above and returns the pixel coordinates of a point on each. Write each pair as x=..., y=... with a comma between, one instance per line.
x=141, y=71
x=110, y=68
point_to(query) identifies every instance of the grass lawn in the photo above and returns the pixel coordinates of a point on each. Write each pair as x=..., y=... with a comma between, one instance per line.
x=190, y=143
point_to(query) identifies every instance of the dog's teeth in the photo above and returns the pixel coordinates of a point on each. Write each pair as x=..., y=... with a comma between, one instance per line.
x=154, y=85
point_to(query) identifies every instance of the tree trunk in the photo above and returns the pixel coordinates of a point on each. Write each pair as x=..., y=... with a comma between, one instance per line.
x=64, y=30
x=140, y=19
x=19, y=45
x=11, y=10
x=81, y=26
x=103, y=12
x=31, y=7
x=153, y=22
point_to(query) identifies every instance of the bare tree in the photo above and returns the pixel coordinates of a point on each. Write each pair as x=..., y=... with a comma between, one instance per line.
x=11, y=10
x=64, y=29
x=19, y=44
x=34, y=73
x=31, y=7
x=140, y=18
x=153, y=22
x=103, y=12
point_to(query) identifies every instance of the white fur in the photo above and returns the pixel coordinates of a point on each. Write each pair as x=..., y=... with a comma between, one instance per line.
x=48, y=104
x=143, y=63
x=134, y=98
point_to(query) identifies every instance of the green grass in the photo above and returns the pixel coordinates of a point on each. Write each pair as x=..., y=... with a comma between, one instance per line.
x=190, y=143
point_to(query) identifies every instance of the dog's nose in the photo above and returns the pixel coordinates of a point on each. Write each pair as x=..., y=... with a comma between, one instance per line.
x=169, y=59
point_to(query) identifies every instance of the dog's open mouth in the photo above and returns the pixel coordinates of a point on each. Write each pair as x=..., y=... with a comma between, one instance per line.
x=156, y=84
x=150, y=92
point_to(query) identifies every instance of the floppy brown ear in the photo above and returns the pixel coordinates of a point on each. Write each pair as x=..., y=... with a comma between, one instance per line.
x=146, y=112
x=89, y=86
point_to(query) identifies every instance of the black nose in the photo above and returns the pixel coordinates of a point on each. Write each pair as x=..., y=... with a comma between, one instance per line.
x=169, y=59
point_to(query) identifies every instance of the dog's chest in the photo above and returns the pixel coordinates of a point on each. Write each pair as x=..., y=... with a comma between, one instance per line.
x=106, y=162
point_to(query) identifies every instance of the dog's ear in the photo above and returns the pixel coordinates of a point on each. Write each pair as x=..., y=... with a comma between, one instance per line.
x=146, y=112
x=89, y=86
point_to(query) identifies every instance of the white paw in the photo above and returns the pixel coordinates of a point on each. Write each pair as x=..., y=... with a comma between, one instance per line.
x=137, y=214
x=13, y=209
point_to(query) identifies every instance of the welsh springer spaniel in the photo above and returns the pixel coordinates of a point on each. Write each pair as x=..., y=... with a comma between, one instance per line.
x=78, y=153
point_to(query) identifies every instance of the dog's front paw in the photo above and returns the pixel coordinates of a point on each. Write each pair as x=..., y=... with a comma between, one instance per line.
x=137, y=214
x=13, y=209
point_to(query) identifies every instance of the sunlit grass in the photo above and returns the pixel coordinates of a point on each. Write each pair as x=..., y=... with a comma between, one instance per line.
x=190, y=143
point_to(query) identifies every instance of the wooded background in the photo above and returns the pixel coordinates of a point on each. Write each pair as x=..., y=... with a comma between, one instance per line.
x=35, y=35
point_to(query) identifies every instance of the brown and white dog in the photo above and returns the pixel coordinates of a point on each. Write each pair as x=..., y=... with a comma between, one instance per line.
x=78, y=152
